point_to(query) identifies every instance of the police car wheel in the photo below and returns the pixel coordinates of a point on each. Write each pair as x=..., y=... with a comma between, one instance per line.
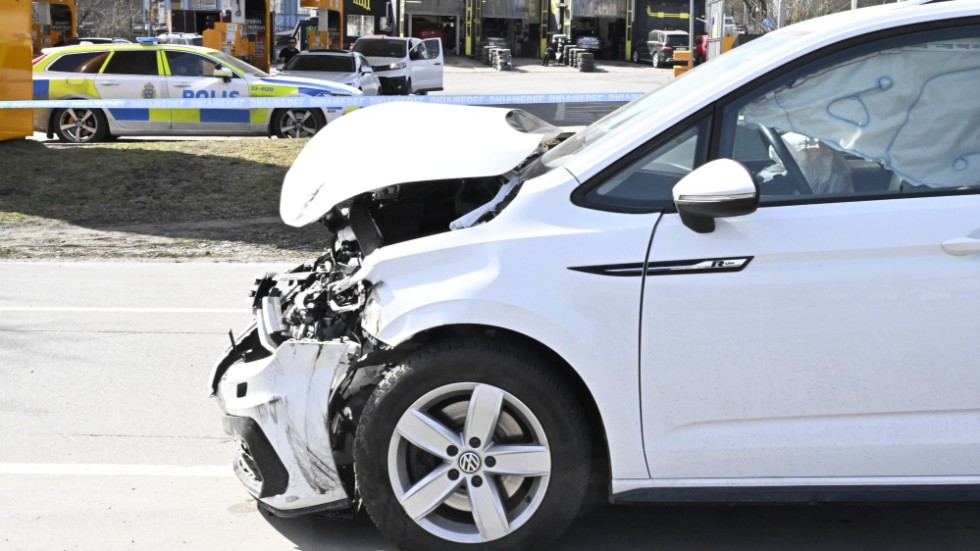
x=80, y=125
x=297, y=123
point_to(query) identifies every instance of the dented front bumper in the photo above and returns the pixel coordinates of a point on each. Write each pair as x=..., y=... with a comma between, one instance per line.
x=275, y=403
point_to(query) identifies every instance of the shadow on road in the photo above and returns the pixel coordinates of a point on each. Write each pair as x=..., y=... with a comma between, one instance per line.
x=836, y=527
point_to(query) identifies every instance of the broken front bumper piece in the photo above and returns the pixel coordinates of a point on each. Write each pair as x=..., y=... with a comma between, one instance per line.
x=276, y=407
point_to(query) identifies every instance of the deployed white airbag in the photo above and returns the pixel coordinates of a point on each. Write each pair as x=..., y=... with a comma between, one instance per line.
x=825, y=169
x=892, y=106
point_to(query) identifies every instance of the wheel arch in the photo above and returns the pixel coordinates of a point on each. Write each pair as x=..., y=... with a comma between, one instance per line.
x=601, y=464
x=272, y=121
x=52, y=111
x=110, y=126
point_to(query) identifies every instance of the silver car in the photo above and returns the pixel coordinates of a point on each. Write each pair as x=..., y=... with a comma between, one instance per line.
x=350, y=68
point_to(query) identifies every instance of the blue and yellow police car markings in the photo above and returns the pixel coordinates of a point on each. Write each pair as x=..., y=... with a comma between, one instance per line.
x=195, y=116
x=130, y=114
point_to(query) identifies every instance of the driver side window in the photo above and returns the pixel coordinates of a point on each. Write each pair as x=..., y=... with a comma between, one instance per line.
x=185, y=64
x=878, y=120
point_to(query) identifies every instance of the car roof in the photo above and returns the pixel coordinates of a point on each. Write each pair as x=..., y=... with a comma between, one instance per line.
x=327, y=52
x=92, y=39
x=128, y=47
x=391, y=38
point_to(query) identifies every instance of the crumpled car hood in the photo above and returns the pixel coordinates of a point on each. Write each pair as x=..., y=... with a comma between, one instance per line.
x=402, y=142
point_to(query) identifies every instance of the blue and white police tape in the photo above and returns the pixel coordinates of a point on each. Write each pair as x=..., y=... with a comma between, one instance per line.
x=325, y=102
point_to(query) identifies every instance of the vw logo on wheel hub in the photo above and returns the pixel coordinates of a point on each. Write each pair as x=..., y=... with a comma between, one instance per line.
x=469, y=462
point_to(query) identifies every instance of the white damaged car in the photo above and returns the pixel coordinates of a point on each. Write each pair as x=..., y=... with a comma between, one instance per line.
x=757, y=283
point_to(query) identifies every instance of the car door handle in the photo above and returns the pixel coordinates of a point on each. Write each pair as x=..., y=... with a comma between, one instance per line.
x=110, y=83
x=438, y=63
x=962, y=246
x=182, y=85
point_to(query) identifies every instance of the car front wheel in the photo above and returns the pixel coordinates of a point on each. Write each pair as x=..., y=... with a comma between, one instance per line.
x=80, y=125
x=297, y=123
x=472, y=442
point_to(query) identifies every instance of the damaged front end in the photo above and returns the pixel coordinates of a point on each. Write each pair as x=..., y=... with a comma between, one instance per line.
x=288, y=384
x=274, y=385
x=293, y=384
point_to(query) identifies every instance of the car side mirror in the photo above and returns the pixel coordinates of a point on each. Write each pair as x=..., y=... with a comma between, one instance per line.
x=719, y=189
x=223, y=73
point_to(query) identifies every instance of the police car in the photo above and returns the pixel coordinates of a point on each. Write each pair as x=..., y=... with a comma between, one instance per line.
x=148, y=70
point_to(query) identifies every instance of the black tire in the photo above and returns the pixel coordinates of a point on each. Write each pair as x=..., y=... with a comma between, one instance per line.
x=534, y=408
x=80, y=124
x=636, y=56
x=658, y=60
x=297, y=123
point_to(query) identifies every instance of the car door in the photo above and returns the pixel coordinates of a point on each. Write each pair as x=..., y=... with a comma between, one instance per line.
x=427, y=65
x=191, y=76
x=654, y=42
x=368, y=80
x=133, y=75
x=829, y=338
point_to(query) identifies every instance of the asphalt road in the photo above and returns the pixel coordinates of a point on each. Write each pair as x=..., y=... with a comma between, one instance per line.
x=111, y=443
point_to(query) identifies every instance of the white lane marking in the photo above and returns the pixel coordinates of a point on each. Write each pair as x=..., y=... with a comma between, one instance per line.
x=83, y=469
x=81, y=309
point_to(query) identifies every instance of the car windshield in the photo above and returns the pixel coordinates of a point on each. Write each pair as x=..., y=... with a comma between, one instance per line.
x=238, y=64
x=321, y=63
x=381, y=48
x=647, y=108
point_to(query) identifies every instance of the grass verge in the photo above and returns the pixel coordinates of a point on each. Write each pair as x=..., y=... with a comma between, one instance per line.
x=149, y=199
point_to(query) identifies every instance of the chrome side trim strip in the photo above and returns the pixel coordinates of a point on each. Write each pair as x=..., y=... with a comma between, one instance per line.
x=671, y=267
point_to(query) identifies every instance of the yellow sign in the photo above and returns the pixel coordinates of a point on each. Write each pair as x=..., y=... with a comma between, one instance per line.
x=15, y=68
x=366, y=4
x=662, y=15
x=336, y=5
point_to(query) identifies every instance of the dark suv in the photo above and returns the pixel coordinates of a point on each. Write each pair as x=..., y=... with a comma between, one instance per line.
x=662, y=45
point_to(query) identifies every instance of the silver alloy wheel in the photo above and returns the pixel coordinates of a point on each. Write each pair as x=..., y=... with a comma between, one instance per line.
x=298, y=123
x=486, y=462
x=79, y=125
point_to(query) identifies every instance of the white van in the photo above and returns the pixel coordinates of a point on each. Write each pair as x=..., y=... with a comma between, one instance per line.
x=404, y=65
